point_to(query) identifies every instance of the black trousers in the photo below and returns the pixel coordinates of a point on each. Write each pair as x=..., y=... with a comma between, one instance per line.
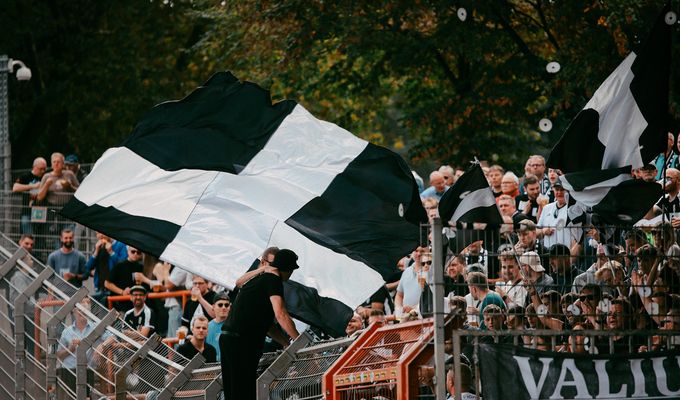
x=239, y=357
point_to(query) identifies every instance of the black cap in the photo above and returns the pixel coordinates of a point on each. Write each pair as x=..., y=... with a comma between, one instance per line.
x=559, y=249
x=221, y=296
x=558, y=184
x=285, y=260
x=138, y=288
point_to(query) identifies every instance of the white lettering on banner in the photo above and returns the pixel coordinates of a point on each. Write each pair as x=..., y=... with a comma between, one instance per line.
x=532, y=387
x=604, y=391
x=616, y=386
x=661, y=380
x=638, y=378
x=578, y=381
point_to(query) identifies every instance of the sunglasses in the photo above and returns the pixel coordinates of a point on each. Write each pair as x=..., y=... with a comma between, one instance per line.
x=135, y=252
x=223, y=305
x=586, y=297
x=426, y=262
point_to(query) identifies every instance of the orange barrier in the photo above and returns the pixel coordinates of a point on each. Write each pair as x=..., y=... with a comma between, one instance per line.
x=184, y=294
x=36, y=321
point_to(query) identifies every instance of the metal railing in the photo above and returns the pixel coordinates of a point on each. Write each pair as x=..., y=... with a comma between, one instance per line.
x=22, y=215
x=38, y=356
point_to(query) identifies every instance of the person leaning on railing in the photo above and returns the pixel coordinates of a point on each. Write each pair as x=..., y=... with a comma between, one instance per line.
x=57, y=182
x=28, y=184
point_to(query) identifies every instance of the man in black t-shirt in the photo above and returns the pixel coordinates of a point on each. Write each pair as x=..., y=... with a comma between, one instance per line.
x=527, y=203
x=121, y=277
x=28, y=185
x=196, y=344
x=140, y=317
x=251, y=318
x=200, y=303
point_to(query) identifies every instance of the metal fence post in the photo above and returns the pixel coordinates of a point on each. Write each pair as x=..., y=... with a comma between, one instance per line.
x=85, y=345
x=280, y=365
x=52, y=339
x=12, y=261
x=214, y=388
x=181, y=378
x=19, y=311
x=126, y=369
x=5, y=146
x=439, y=359
x=457, y=381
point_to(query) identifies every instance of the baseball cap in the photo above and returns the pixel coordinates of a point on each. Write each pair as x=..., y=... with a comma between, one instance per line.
x=221, y=296
x=559, y=249
x=285, y=260
x=71, y=159
x=531, y=259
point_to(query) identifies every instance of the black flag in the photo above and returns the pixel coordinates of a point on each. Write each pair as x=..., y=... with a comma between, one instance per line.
x=470, y=199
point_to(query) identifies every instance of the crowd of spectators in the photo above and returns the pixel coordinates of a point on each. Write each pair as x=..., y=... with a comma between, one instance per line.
x=537, y=272
x=542, y=271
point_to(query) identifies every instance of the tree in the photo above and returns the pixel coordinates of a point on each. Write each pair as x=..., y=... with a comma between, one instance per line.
x=414, y=74
x=410, y=75
x=97, y=67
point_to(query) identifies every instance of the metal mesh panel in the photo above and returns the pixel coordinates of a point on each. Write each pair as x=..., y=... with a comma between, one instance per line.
x=382, y=363
x=196, y=386
x=266, y=360
x=18, y=218
x=153, y=369
x=302, y=379
x=384, y=349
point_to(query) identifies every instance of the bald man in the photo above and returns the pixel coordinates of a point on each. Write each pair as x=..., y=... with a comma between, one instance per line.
x=669, y=204
x=437, y=186
x=28, y=184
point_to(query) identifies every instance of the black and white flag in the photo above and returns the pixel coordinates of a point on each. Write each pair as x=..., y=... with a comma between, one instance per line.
x=210, y=181
x=625, y=122
x=623, y=125
x=613, y=193
x=470, y=200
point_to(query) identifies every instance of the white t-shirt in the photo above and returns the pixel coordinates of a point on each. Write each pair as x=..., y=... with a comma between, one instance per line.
x=553, y=217
x=182, y=280
x=472, y=318
x=409, y=286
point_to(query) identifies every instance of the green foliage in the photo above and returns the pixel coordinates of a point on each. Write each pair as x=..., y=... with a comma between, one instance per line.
x=405, y=74
x=411, y=75
x=97, y=67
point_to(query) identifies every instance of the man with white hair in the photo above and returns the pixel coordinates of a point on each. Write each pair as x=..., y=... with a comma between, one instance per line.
x=437, y=186
x=448, y=173
x=510, y=184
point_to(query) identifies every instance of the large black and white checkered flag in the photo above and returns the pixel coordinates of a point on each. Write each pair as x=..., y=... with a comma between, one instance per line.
x=210, y=181
x=623, y=125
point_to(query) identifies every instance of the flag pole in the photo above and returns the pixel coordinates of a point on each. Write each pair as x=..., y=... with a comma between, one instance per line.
x=439, y=336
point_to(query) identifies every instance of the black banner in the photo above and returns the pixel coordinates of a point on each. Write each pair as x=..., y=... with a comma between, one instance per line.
x=510, y=372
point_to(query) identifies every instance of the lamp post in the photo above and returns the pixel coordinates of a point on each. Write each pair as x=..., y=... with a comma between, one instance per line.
x=7, y=66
